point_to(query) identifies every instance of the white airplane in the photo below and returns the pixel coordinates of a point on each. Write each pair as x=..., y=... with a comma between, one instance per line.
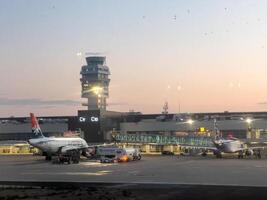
x=230, y=145
x=234, y=145
x=52, y=145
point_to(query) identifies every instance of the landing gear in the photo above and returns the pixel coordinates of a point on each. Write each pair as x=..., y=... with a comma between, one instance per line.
x=62, y=159
x=48, y=157
x=69, y=157
x=204, y=153
x=75, y=156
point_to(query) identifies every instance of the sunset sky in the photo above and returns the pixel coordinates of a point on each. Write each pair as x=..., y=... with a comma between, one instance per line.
x=208, y=55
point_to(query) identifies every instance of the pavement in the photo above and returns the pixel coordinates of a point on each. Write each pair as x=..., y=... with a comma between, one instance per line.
x=150, y=170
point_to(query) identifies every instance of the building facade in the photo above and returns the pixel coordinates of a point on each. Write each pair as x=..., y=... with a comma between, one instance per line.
x=98, y=126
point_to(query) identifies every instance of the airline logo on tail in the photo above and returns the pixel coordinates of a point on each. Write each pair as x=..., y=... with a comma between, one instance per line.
x=36, y=130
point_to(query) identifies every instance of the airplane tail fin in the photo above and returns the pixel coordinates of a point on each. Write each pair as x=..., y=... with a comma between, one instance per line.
x=36, y=130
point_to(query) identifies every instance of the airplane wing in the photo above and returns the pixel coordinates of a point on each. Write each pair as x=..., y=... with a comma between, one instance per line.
x=199, y=147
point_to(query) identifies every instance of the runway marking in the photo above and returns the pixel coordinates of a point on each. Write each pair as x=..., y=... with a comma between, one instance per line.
x=98, y=173
x=260, y=166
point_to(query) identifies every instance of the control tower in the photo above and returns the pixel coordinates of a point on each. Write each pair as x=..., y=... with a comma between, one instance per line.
x=95, y=82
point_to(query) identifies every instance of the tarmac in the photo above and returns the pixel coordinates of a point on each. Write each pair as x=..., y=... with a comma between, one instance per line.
x=150, y=170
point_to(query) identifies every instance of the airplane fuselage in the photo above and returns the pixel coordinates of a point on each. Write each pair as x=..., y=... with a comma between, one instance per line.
x=51, y=145
x=229, y=146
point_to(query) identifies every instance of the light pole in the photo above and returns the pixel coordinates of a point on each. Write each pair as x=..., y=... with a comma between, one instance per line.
x=249, y=122
x=179, y=88
x=190, y=122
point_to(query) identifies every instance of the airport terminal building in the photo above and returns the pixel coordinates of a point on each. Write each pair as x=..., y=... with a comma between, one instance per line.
x=152, y=131
x=97, y=126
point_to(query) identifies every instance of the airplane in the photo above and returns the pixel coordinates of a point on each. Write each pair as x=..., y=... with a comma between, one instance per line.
x=229, y=145
x=234, y=145
x=53, y=146
x=222, y=145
